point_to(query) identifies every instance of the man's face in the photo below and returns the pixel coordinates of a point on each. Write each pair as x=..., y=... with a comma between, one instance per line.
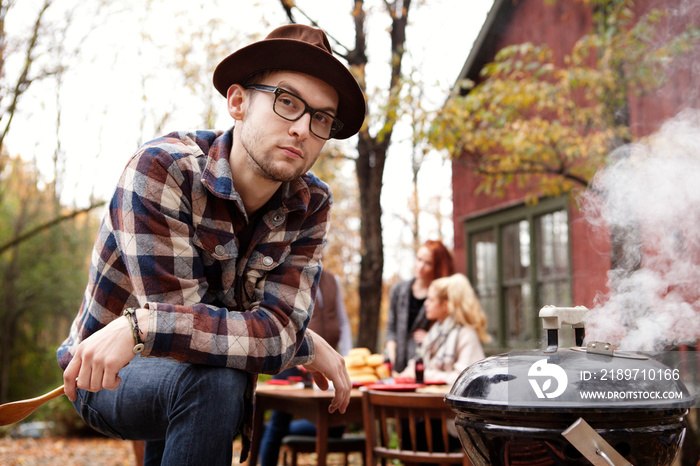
x=277, y=149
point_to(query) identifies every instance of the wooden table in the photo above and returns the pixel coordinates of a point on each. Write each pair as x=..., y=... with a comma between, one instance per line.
x=305, y=403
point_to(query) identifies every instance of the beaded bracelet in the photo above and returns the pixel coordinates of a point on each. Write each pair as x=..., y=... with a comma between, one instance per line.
x=130, y=315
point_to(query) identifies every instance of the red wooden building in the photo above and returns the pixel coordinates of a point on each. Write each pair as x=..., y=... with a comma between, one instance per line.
x=521, y=257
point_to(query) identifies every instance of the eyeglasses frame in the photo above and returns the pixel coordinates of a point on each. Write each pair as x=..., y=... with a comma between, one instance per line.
x=338, y=125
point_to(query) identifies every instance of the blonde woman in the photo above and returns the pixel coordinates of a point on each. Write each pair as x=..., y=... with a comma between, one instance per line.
x=455, y=339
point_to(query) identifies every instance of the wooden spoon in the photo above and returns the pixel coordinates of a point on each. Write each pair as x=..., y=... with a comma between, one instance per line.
x=18, y=410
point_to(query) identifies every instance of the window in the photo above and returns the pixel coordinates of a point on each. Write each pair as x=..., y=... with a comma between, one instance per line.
x=518, y=261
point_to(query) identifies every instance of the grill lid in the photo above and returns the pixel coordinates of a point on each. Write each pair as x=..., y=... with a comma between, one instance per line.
x=594, y=377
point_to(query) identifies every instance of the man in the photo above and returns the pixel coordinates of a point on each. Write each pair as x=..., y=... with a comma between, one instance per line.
x=211, y=250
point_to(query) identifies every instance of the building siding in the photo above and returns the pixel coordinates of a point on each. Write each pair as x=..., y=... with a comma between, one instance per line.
x=560, y=26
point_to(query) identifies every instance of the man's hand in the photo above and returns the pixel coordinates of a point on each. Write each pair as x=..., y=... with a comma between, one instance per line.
x=330, y=365
x=100, y=357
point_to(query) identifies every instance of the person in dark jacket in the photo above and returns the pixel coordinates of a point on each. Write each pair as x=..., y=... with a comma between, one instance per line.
x=407, y=324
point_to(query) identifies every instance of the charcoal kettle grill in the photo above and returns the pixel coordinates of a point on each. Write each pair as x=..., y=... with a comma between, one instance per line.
x=574, y=406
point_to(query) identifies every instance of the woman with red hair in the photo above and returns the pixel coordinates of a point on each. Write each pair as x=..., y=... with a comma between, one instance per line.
x=407, y=324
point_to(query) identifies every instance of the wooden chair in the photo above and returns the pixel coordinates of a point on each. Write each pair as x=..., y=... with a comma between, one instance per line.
x=293, y=445
x=139, y=451
x=396, y=423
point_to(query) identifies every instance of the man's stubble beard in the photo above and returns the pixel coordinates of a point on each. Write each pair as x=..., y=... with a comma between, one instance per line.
x=261, y=163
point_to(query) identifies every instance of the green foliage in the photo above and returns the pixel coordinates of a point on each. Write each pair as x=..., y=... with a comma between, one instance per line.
x=42, y=281
x=550, y=128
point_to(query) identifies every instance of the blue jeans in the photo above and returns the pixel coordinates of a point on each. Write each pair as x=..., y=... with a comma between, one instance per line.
x=281, y=424
x=187, y=414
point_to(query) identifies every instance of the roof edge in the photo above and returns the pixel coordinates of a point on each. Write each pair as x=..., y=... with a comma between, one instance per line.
x=472, y=66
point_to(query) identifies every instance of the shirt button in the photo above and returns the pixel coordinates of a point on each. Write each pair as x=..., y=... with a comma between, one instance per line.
x=219, y=250
x=267, y=261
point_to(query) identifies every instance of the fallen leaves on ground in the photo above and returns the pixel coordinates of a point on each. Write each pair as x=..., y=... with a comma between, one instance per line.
x=101, y=451
x=61, y=451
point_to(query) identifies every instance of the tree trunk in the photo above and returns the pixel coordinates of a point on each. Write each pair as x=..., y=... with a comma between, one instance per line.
x=370, y=171
x=9, y=322
x=370, y=162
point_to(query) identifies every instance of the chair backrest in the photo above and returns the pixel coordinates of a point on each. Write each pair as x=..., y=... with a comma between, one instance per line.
x=408, y=426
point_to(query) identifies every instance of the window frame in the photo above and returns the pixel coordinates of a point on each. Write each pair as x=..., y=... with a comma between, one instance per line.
x=496, y=221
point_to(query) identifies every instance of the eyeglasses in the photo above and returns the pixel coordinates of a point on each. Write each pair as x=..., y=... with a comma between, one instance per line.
x=291, y=107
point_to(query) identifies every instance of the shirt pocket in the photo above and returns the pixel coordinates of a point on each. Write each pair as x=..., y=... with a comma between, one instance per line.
x=264, y=258
x=219, y=254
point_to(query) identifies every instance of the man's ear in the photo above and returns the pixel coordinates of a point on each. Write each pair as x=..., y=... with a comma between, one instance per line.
x=236, y=100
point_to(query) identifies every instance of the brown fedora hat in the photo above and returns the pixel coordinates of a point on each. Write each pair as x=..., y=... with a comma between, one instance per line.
x=303, y=49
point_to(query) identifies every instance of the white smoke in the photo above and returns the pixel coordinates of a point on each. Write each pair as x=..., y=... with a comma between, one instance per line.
x=650, y=196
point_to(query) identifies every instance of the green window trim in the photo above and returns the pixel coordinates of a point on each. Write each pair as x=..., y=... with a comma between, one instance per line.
x=519, y=224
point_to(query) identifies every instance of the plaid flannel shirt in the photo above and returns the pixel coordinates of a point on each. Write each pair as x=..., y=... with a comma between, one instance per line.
x=168, y=243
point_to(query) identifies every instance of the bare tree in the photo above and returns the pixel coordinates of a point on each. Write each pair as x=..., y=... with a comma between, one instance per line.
x=372, y=152
x=45, y=38
x=30, y=206
x=11, y=92
x=419, y=123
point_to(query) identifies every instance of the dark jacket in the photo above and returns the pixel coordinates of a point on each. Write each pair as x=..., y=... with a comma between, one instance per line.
x=397, y=323
x=324, y=320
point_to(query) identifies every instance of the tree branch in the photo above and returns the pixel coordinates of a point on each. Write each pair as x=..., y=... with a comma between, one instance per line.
x=532, y=168
x=45, y=226
x=23, y=82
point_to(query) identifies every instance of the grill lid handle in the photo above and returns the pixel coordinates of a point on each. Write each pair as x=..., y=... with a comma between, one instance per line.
x=554, y=317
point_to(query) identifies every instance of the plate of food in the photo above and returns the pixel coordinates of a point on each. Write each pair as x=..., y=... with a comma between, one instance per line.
x=435, y=382
x=395, y=387
x=278, y=382
x=358, y=384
